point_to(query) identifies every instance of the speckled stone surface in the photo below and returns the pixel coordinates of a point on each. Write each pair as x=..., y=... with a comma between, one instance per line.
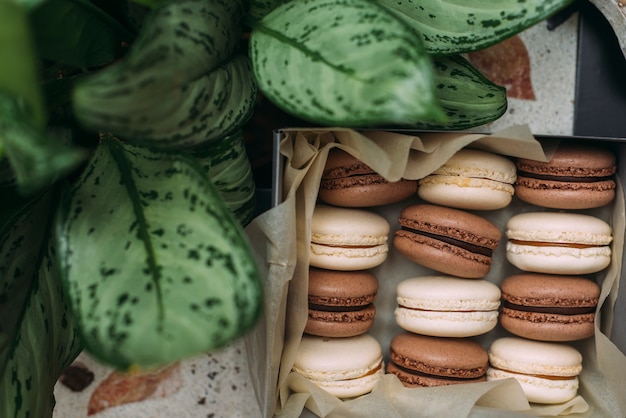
x=552, y=55
x=214, y=385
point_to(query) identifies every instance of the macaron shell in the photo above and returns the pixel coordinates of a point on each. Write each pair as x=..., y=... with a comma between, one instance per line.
x=465, y=193
x=345, y=367
x=348, y=182
x=365, y=191
x=547, y=290
x=414, y=379
x=446, y=357
x=345, y=389
x=347, y=239
x=471, y=179
x=440, y=223
x=348, y=227
x=549, y=307
x=560, y=195
x=539, y=389
x=552, y=186
x=587, y=240
x=341, y=288
x=547, y=327
x=444, y=293
x=558, y=260
x=538, y=358
x=347, y=258
x=473, y=163
x=446, y=324
x=559, y=227
x=340, y=324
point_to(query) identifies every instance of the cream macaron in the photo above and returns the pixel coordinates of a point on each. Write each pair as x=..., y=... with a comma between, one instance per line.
x=344, y=367
x=471, y=179
x=444, y=306
x=547, y=372
x=558, y=242
x=348, y=239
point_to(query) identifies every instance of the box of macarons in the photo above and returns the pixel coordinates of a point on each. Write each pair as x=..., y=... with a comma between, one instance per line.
x=442, y=274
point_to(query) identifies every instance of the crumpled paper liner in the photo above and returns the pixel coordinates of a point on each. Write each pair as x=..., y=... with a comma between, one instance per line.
x=281, y=236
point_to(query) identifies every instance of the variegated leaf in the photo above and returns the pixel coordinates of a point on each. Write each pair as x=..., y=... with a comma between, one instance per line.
x=451, y=27
x=343, y=62
x=37, y=336
x=187, y=116
x=155, y=265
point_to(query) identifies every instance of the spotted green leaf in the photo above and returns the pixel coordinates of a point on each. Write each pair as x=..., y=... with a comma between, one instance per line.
x=184, y=117
x=155, y=265
x=227, y=165
x=343, y=62
x=37, y=336
x=456, y=26
x=466, y=95
x=180, y=85
x=37, y=157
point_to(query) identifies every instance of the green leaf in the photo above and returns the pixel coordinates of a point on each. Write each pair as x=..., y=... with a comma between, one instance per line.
x=180, y=42
x=155, y=265
x=228, y=167
x=37, y=157
x=184, y=117
x=180, y=85
x=19, y=71
x=75, y=32
x=343, y=62
x=452, y=27
x=467, y=97
x=37, y=336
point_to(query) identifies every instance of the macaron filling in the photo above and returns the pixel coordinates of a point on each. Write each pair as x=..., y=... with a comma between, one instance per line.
x=557, y=310
x=573, y=179
x=477, y=249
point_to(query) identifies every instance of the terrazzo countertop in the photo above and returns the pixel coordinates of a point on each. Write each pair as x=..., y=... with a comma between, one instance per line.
x=217, y=385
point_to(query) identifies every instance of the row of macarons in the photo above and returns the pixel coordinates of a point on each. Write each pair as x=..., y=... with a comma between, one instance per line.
x=353, y=366
x=577, y=176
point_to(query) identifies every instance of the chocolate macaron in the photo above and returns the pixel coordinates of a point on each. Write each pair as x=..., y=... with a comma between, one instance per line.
x=447, y=240
x=549, y=307
x=421, y=361
x=340, y=302
x=347, y=181
x=577, y=177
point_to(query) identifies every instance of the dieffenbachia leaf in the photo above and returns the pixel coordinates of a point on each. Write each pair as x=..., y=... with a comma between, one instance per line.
x=77, y=33
x=228, y=166
x=343, y=62
x=467, y=97
x=180, y=85
x=183, y=117
x=179, y=42
x=451, y=27
x=37, y=157
x=37, y=336
x=155, y=265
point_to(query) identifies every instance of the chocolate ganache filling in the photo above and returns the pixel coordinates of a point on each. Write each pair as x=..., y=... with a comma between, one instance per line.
x=488, y=252
x=563, y=178
x=559, y=310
